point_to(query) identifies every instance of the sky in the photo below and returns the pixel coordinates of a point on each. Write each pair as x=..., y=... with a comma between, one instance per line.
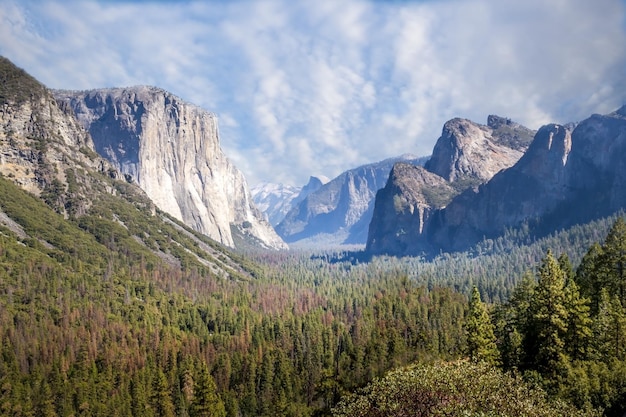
x=317, y=87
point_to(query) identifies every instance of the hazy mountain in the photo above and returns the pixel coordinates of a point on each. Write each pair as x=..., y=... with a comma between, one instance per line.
x=171, y=149
x=275, y=200
x=569, y=175
x=339, y=212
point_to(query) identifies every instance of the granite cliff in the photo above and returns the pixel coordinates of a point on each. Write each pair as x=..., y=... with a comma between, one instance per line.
x=48, y=164
x=527, y=191
x=410, y=196
x=570, y=174
x=466, y=155
x=470, y=152
x=171, y=149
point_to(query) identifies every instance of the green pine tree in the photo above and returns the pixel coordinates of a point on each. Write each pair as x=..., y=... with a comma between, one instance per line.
x=609, y=333
x=614, y=259
x=566, y=266
x=481, y=341
x=516, y=328
x=605, y=267
x=549, y=318
x=589, y=276
x=161, y=396
x=579, y=322
x=206, y=402
x=45, y=408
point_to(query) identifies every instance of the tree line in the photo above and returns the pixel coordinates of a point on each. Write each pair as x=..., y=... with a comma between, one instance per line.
x=95, y=323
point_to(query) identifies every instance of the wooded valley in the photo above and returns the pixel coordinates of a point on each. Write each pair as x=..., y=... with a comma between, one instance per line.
x=94, y=323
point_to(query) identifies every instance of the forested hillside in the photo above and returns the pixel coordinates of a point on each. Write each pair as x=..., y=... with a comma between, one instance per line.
x=98, y=322
x=116, y=313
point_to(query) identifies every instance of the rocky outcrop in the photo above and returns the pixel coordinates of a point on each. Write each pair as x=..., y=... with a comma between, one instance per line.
x=596, y=167
x=533, y=187
x=474, y=153
x=43, y=148
x=466, y=155
x=340, y=211
x=171, y=149
x=403, y=207
x=569, y=175
x=276, y=200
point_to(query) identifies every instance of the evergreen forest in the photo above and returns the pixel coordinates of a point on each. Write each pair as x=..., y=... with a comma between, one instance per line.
x=118, y=312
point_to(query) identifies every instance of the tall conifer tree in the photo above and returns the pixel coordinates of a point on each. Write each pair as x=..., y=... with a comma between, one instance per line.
x=549, y=318
x=614, y=259
x=206, y=402
x=161, y=396
x=481, y=341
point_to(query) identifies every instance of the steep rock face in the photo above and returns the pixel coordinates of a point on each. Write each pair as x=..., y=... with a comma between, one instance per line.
x=569, y=175
x=596, y=169
x=171, y=149
x=466, y=155
x=475, y=153
x=43, y=148
x=534, y=186
x=276, y=200
x=403, y=207
x=340, y=211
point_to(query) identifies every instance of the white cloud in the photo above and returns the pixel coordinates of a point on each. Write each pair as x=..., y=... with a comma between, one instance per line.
x=319, y=87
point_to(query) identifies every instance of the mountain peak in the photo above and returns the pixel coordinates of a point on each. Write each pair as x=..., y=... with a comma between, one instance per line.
x=314, y=184
x=472, y=152
x=494, y=121
x=569, y=174
x=552, y=141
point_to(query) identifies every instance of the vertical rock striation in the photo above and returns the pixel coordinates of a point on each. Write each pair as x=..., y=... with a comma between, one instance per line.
x=171, y=149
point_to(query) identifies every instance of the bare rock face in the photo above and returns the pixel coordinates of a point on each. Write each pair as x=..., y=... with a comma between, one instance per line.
x=43, y=148
x=466, y=155
x=403, y=208
x=339, y=212
x=596, y=167
x=569, y=175
x=534, y=186
x=475, y=153
x=171, y=149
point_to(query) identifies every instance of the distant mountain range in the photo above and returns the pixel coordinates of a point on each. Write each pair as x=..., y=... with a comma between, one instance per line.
x=70, y=148
x=569, y=174
x=275, y=200
x=339, y=212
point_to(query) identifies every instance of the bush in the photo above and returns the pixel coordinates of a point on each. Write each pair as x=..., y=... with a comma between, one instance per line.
x=453, y=389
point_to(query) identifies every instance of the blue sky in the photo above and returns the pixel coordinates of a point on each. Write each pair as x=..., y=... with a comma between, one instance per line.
x=317, y=87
